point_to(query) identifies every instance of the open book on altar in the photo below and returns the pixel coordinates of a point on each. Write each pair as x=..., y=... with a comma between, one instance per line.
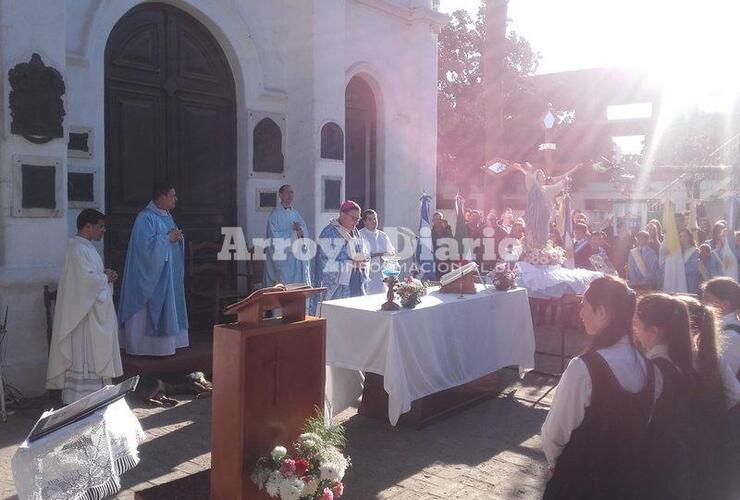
x=469, y=268
x=56, y=419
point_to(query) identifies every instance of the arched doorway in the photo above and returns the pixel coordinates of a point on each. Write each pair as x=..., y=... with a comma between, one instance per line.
x=169, y=115
x=361, y=131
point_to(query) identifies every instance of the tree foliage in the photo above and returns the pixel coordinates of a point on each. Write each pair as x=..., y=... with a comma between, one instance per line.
x=690, y=138
x=461, y=106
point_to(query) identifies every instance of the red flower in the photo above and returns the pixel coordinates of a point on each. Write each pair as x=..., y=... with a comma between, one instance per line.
x=301, y=467
x=338, y=490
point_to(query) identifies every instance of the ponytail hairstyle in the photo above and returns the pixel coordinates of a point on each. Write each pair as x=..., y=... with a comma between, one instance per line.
x=618, y=300
x=704, y=328
x=670, y=315
x=725, y=289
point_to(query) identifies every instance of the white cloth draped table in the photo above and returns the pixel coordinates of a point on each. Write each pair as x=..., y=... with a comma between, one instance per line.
x=552, y=282
x=443, y=343
x=83, y=460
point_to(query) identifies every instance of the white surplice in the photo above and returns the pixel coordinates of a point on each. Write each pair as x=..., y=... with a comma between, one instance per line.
x=84, y=353
x=376, y=242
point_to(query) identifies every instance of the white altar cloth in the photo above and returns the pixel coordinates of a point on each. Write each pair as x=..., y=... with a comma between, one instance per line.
x=442, y=343
x=83, y=460
x=552, y=282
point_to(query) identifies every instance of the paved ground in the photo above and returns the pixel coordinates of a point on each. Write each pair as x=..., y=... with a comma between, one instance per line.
x=491, y=451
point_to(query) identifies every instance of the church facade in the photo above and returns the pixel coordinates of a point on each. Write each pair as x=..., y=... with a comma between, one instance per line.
x=226, y=99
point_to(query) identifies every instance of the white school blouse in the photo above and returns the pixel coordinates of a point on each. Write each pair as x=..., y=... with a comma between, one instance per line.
x=573, y=393
x=729, y=343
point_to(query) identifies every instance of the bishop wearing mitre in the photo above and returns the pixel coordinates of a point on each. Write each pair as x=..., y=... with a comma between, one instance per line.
x=84, y=354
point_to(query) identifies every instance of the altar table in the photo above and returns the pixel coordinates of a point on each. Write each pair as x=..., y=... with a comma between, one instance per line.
x=446, y=341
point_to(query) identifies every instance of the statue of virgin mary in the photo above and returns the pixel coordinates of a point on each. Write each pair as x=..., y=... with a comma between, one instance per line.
x=540, y=202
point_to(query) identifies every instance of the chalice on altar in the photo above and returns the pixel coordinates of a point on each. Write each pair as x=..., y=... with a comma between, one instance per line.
x=391, y=269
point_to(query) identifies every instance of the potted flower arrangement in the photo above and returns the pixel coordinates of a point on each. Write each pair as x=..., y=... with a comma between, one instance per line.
x=504, y=278
x=549, y=255
x=313, y=470
x=410, y=291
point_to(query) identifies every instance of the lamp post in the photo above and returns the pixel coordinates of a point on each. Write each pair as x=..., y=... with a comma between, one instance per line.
x=493, y=69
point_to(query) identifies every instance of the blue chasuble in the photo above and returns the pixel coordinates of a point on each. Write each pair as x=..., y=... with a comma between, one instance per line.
x=327, y=270
x=154, y=274
x=652, y=268
x=288, y=269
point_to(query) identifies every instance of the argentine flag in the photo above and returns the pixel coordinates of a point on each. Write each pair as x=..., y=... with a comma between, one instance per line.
x=424, y=249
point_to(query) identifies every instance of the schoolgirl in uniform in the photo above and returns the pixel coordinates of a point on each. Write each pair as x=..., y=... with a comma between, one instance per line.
x=597, y=424
x=661, y=327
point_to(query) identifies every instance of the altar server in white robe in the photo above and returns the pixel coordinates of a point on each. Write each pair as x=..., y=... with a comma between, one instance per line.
x=377, y=244
x=84, y=354
x=284, y=227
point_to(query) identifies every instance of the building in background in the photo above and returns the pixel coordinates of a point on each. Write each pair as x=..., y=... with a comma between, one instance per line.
x=228, y=100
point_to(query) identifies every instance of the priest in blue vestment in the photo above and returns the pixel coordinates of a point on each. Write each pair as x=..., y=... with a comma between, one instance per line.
x=284, y=227
x=151, y=309
x=340, y=257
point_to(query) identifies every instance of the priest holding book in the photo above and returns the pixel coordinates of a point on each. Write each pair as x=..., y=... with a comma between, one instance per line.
x=84, y=354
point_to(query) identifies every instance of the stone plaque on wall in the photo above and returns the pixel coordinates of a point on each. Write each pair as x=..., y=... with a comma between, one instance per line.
x=38, y=186
x=266, y=200
x=80, y=186
x=36, y=106
x=332, y=193
x=80, y=142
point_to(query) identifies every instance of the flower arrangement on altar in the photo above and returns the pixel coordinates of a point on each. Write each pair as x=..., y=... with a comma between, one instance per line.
x=312, y=471
x=410, y=291
x=504, y=277
x=549, y=255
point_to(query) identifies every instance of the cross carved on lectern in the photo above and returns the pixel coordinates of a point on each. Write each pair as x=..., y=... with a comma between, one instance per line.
x=274, y=363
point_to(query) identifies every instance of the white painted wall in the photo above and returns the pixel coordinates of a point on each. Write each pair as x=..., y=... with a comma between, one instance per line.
x=289, y=59
x=31, y=249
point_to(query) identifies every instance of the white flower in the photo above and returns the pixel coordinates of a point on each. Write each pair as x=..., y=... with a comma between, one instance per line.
x=272, y=486
x=309, y=440
x=310, y=486
x=291, y=488
x=260, y=475
x=331, y=471
x=278, y=453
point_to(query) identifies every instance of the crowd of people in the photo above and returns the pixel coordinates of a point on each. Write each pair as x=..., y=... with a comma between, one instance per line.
x=650, y=409
x=635, y=255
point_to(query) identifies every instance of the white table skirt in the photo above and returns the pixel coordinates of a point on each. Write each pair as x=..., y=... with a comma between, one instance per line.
x=83, y=460
x=443, y=343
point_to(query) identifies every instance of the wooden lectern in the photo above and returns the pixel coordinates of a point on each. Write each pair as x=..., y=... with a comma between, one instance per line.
x=268, y=378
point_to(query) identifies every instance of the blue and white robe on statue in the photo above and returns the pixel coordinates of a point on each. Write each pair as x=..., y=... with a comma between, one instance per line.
x=287, y=268
x=337, y=272
x=642, y=267
x=152, y=308
x=376, y=242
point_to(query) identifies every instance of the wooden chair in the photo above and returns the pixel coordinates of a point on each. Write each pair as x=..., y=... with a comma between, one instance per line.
x=54, y=396
x=50, y=299
x=255, y=272
x=566, y=320
x=208, y=281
